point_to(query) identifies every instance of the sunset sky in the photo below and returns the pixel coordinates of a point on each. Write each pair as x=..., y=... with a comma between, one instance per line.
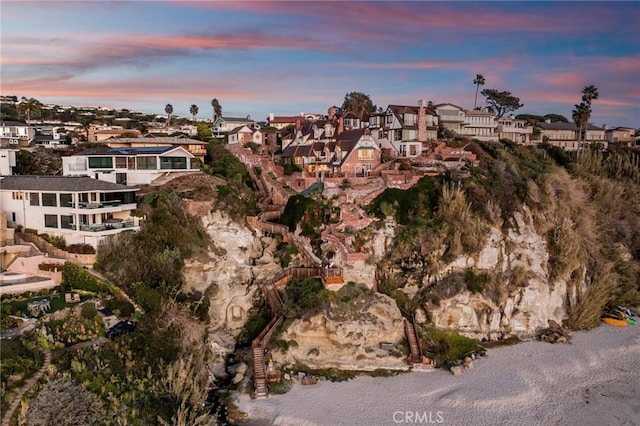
x=290, y=57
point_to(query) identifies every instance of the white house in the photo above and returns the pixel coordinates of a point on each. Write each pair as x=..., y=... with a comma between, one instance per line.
x=7, y=161
x=451, y=116
x=224, y=125
x=80, y=209
x=15, y=134
x=129, y=166
x=481, y=125
x=514, y=129
x=406, y=128
x=565, y=135
x=244, y=134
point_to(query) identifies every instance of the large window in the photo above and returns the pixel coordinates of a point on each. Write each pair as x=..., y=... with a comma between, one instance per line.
x=34, y=198
x=100, y=162
x=66, y=222
x=173, y=162
x=50, y=220
x=49, y=199
x=66, y=200
x=147, y=163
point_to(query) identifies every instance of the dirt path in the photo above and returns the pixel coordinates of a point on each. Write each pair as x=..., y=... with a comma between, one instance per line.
x=6, y=418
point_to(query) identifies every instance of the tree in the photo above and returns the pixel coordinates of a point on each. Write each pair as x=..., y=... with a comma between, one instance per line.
x=501, y=102
x=194, y=111
x=357, y=102
x=556, y=118
x=582, y=112
x=478, y=81
x=28, y=106
x=217, y=109
x=169, y=110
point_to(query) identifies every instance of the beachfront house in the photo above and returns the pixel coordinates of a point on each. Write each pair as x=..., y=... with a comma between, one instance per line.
x=130, y=166
x=82, y=210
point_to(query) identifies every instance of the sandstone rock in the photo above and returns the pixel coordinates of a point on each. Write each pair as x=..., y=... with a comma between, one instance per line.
x=348, y=338
x=468, y=362
x=237, y=378
x=287, y=376
x=242, y=368
x=457, y=370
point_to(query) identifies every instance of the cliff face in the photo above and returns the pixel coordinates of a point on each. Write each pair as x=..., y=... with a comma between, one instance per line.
x=515, y=294
x=347, y=338
x=235, y=263
x=520, y=297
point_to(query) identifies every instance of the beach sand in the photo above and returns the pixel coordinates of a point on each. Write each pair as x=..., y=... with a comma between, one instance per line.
x=594, y=380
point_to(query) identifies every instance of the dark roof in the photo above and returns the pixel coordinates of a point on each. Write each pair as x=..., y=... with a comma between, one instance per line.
x=127, y=151
x=60, y=183
x=164, y=140
x=564, y=126
x=13, y=123
x=244, y=119
x=237, y=129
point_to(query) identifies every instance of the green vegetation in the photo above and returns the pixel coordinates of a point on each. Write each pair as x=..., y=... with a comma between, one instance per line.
x=303, y=210
x=76, y=277
x=20, y=360
x=448, y=347
x=18, y=305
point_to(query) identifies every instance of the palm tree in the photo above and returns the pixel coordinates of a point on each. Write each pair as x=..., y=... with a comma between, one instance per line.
x=169, y=110
x=27, y=106
x=583, y=110
x=478, y=81
x=194, y=111
x=217, y=109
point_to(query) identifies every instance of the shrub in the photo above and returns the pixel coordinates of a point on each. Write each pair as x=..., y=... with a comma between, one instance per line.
x=73, y=276
x=81, y=249
x=121, y=306
x=89, y=310
x=448, y=347
x=475, y=281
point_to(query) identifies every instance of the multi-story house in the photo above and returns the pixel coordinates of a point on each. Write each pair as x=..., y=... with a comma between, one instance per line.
x=620, y=135
x=565, y=135
x=407, y=128
x=79, y=209
x=244, y=134
x=480, y=124
x=224, y=125
x=352, y=153
x=516, y=130
x=102, y=133
x=15, y=134
x=197, y=148
x=451, y=116
x=129, y=166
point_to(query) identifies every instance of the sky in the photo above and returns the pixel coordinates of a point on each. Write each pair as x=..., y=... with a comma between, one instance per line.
x=290, y=57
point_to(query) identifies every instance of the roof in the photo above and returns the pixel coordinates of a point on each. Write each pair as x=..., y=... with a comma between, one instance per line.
x=173, y=140
x=239, y=119
x=60, y=183
x=13, y=123
x=564, y=126
x=237, y=129
x=286, y=119
x=479, y=112
x=445, y=104
x=127, y=151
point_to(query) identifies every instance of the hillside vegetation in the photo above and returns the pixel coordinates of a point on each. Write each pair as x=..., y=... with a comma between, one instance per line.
x=587, y=206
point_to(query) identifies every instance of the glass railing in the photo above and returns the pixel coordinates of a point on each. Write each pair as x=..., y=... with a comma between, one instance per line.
x=100, y=227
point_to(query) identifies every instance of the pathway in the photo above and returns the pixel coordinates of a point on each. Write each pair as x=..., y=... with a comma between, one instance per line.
x=6, y=418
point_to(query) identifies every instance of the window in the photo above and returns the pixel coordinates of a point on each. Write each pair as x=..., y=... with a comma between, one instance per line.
x=49, y=199
x=121, y=162
x=34, y=199
x=173, y=162
x=409, y=119
x=147, y=163
x=17, y=195
x=365, y=154
x=66, y=222
x=389, y=119
x=66, y=200
x=50, y=220
x=100, y=162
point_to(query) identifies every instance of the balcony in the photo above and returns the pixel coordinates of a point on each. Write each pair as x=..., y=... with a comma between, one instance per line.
x=101, y=227
x=98, y=205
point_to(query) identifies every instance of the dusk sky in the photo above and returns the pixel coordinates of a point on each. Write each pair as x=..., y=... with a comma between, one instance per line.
x=290, y=57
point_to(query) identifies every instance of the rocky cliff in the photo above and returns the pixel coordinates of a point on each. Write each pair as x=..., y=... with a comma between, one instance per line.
x=347, y=337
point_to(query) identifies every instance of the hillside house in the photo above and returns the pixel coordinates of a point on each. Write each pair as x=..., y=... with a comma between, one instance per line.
x=244, y=134
x=480, y=124
x=224, y=125
x=79, y=209
x=14, y=134
x=197, y=148
x=624, y=136
x=565, y=135
x=451, y=116
x=516, y=130
x=407, y=128
x=129, y=166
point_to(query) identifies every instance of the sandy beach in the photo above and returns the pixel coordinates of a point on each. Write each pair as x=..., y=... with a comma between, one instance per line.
x=594, y=380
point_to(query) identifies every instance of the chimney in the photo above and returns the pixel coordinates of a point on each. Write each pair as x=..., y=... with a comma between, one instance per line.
x=422, y=121
x=340, y=126
x=298, y=124
x=271, y=117
x=331, y=112
x=605, y=127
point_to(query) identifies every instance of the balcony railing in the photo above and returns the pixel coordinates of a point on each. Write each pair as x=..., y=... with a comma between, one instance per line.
x=100, y=227
x=98, y=205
